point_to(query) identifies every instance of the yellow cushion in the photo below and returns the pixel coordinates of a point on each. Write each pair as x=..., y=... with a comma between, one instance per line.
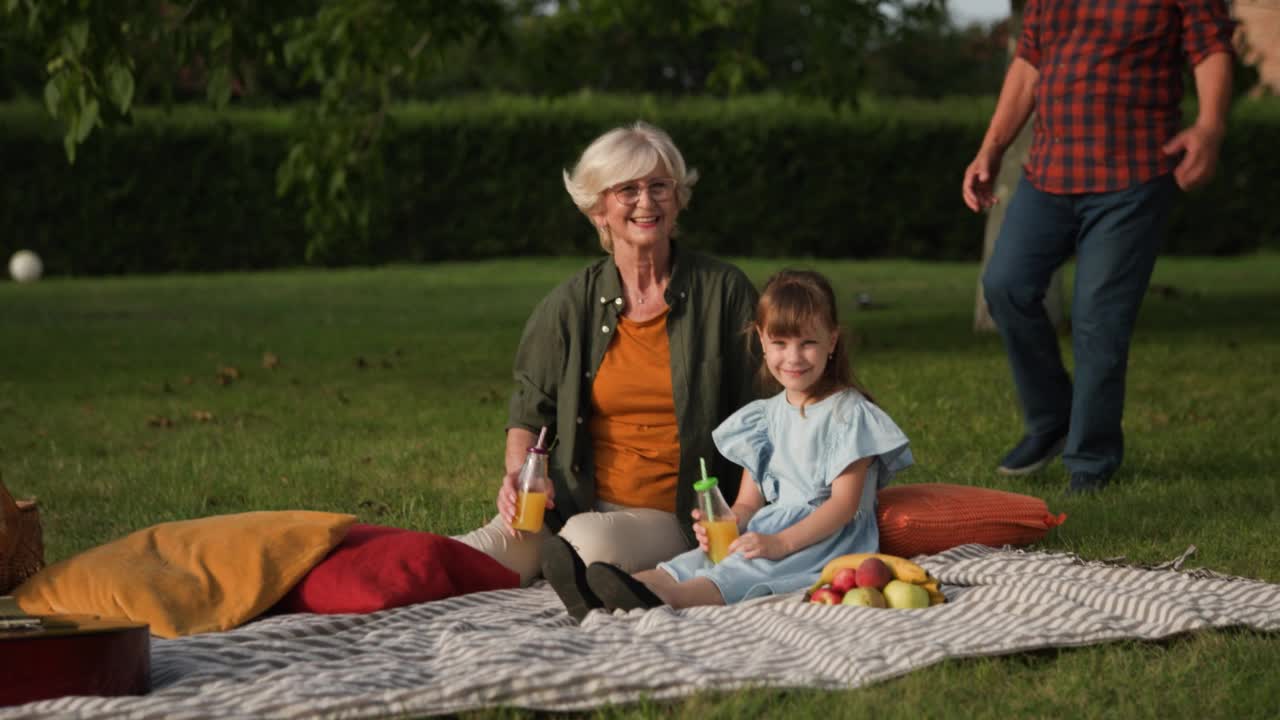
x=191, y=576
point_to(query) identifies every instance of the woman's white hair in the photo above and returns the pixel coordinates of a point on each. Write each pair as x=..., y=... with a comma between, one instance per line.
x=625, y=153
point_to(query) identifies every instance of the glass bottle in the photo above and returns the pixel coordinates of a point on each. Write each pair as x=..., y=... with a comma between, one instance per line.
x=719, y=521
x=532, y=487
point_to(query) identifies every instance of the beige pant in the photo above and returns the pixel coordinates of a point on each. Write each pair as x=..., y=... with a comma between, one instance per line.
x=634, y=539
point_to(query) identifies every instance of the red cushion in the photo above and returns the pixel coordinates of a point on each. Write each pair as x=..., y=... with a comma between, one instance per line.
x=931, y=517
x=375, y=568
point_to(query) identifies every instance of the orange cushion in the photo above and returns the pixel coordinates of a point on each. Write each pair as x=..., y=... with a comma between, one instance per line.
x=190, y=576
x=931, y=517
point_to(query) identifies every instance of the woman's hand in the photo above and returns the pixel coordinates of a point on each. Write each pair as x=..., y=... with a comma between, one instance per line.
x=509, y=495
x=759, y=545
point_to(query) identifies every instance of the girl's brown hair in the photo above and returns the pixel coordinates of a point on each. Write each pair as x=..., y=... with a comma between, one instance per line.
x=794, y=301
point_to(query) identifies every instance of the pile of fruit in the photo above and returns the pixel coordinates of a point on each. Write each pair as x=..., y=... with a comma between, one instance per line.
x=875, y=580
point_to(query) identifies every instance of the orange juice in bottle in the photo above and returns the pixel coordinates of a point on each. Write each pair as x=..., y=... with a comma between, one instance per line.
x=531, y=501
x=721, y=525
x=530, y=507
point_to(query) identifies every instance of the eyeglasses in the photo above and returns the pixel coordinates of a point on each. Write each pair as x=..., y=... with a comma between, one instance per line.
x=659, y=189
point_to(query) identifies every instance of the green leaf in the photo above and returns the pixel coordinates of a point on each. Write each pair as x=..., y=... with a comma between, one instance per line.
x=10, y=6
x=69, y=145
x=119, y=86
x=87, y=120
x=77, y=38
x=337, y=182
x=52, y=96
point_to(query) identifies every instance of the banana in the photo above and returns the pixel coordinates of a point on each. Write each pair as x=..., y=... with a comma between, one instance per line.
x=902, y=569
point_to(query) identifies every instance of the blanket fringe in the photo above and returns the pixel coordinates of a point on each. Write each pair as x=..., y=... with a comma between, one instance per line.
x=1121, y=561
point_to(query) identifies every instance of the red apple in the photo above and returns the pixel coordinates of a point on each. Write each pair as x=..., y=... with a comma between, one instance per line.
x=872, y=572
x=845, y=580
x=826, y=595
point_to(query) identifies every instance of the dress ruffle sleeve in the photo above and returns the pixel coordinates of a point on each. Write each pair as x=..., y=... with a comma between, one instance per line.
x=860, y=429
x=743, y=439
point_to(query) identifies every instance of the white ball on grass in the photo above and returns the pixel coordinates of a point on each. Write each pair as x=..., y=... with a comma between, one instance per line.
x=25, y=266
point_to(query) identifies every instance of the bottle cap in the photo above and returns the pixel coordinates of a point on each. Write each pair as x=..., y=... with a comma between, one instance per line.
x=705, y=484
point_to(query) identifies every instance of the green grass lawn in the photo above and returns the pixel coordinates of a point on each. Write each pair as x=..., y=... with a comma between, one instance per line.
x=389, y=401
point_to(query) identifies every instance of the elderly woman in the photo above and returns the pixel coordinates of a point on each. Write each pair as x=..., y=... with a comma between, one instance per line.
x=630, y=365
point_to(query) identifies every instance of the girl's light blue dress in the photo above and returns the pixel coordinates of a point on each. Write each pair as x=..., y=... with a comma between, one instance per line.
x=793, y=460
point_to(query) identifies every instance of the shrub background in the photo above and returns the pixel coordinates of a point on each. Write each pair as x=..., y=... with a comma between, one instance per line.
x=190, y=190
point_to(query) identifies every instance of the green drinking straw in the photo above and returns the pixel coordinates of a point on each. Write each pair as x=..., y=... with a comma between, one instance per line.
x=707, y=510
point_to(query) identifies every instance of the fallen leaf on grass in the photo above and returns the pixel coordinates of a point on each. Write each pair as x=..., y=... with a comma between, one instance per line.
x=227, y=375
x=270, y=361
x=377, y=507
x=203, y=416
x=160, y=421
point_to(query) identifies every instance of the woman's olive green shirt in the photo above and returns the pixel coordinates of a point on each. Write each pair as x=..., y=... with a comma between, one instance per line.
x=713, y=363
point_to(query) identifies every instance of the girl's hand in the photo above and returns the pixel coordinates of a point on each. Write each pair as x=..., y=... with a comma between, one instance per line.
x=700, y=531
x=759, y=545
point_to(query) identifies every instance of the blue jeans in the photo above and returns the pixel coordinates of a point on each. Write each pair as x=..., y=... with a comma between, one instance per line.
x=1115, y=237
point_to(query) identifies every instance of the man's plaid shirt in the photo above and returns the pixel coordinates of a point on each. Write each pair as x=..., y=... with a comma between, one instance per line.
x=1110, y=85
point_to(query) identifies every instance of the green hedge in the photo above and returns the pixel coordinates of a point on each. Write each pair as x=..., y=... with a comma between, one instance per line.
x=193, y=191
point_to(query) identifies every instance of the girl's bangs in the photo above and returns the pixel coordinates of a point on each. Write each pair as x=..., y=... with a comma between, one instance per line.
x=794, y=312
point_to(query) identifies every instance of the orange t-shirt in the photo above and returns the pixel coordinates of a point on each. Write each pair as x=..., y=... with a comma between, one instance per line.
x=633, y=418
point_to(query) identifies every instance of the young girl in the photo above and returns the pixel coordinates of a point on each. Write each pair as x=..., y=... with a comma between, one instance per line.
x=813, y=455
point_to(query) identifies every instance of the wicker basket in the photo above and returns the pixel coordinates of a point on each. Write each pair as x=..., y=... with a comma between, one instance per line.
x=21, y=541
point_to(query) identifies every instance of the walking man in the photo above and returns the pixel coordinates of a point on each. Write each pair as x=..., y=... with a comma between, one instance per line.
x=1107, y=156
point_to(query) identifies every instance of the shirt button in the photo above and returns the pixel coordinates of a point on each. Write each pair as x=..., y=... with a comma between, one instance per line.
x=618, y=301
x=603, y=299
x=579, y=419
x=604, y=328
x=586, y=374
x=681, y=293
x=574, y=467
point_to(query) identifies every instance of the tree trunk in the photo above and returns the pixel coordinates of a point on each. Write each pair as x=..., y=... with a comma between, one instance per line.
x=1006, y=183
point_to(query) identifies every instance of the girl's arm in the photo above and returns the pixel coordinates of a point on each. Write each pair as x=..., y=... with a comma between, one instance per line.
x=835, y=513
x=749, y=501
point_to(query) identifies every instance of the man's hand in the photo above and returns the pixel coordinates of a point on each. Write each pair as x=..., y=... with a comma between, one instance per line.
x=1199, y=148
x=978, y=188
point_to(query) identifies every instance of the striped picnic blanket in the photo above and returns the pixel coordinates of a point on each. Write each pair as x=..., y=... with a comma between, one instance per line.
x=519, y=648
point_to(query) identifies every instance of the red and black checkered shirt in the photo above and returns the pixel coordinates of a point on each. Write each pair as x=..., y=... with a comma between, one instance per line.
x=1110, y=85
